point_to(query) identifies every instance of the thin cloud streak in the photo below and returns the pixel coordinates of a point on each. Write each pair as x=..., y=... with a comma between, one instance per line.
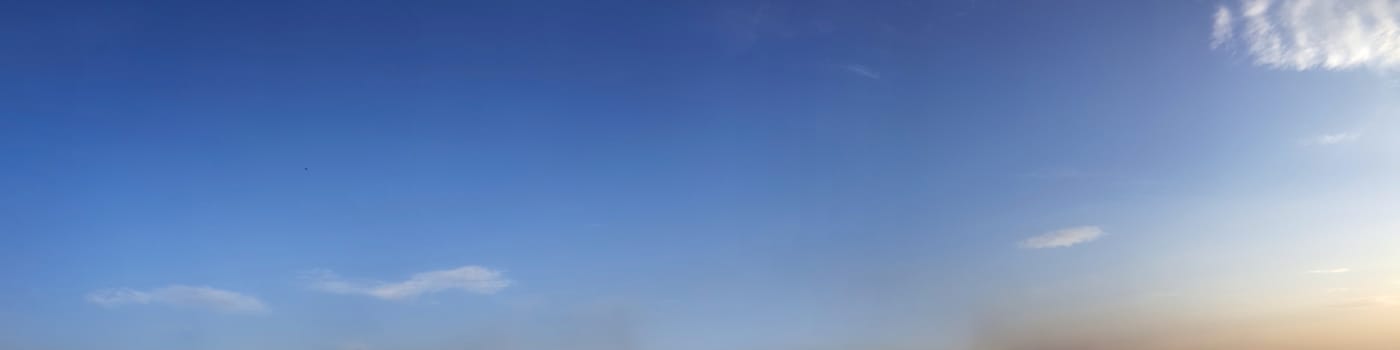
x=179, y=295
x=862, y=70
x=1063, y=238
x=1329, y=271
x=1333, y=139
x=473, y=279
x=1369, y=302
x=1061, y=174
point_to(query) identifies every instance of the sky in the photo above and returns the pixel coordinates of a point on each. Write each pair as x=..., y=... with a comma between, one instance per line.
x=737, y=174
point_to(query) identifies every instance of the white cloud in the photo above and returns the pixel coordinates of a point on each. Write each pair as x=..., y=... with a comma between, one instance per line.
x=1309, y=34
x=178, y=295
x=1332, y=139
x=475, y=279
x=1223, y=28
x=1063, y=237
x=862, y=71
x=1329, y=271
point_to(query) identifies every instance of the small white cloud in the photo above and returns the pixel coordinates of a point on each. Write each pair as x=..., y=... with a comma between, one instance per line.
x=1063, y=237
x=474, y=279
x=1224, y=29
x=178, y=295
x=1329, y=271
x=1309, y=34
x=1332, y=139
x=862, y=70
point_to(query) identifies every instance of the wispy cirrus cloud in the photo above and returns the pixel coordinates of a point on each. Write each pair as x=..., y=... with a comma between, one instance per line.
x=1332, y=139
x=1063, y=237
x=1223, y=27
x=200, y=297
x=1312, y=34
x=862, y=71
x=1329, y=271
x=474, y=279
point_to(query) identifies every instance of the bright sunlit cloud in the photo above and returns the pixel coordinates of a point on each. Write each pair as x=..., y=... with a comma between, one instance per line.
x=1063, y=237
x=1329, y=271
x=177, y=295
x=1309, y=34
x=474, y=279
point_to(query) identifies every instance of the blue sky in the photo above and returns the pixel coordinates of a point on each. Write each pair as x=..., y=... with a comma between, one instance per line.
x=697, y=175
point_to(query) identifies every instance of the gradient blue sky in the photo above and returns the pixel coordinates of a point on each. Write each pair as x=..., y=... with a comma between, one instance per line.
x=683, y=175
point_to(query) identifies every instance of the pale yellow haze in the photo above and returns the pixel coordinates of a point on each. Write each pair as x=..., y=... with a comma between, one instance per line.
x=1339, y=329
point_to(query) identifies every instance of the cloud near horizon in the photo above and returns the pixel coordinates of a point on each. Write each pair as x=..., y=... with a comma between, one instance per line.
x=471, y=278
x=199, y=297
x=1369, y=302
x=1063, y=237
x=1311, y=34
x=1329, y=271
